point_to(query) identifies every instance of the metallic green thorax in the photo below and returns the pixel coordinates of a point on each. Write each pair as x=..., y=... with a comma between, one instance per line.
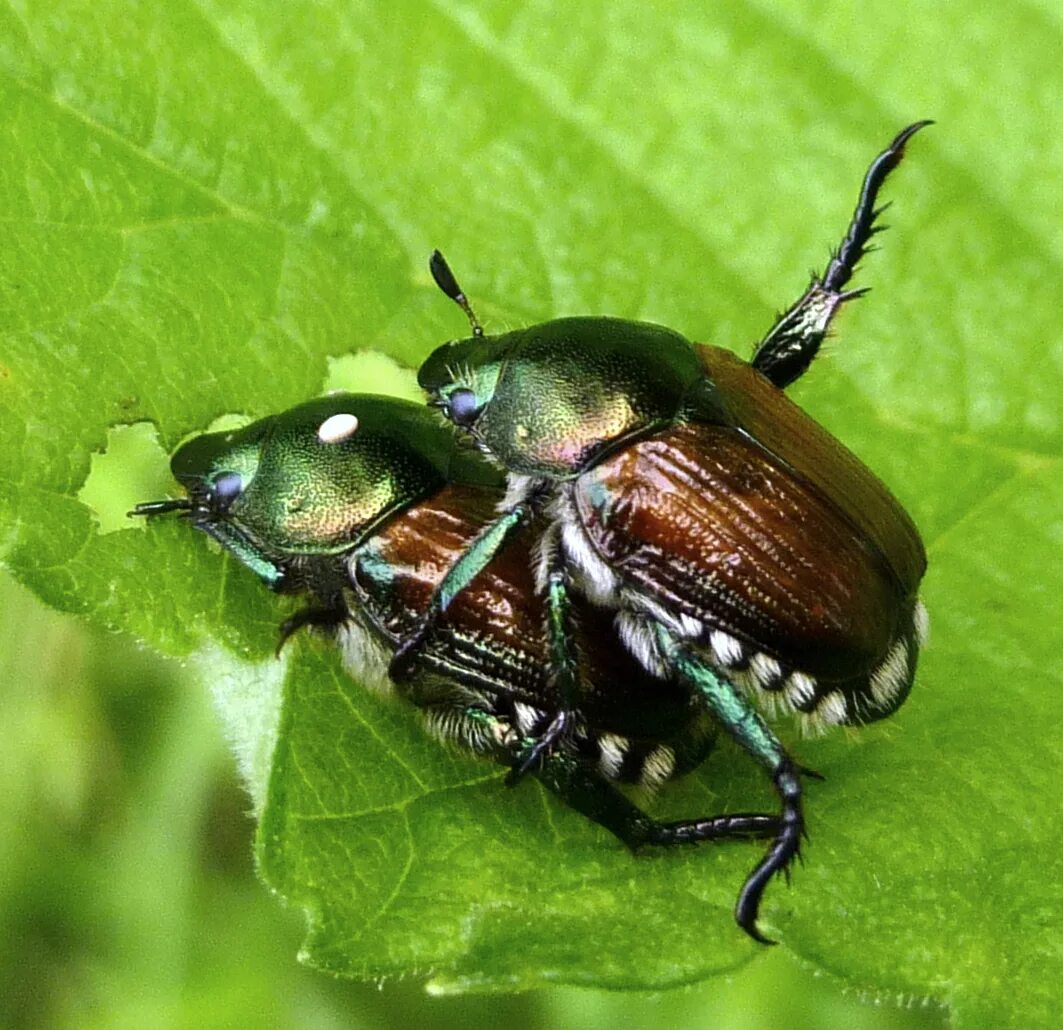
x=555, y=397
x=316, y=479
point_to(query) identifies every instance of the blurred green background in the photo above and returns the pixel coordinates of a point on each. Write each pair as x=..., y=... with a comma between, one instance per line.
x=128, y=898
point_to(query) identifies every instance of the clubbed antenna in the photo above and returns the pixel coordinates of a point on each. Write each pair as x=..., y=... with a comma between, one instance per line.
x=445, y=280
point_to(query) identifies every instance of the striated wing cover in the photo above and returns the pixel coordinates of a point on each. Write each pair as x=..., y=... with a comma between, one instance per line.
x=766, y=529
x=493, y=635
x=801, y=443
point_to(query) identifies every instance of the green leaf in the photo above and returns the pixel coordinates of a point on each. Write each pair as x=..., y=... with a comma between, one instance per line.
x=202, y=203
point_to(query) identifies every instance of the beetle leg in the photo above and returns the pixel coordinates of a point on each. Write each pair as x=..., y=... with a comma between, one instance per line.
x=585, y=790
x=329, y=617
x=744, y=723
x=487, y=543
x=792, y=343
x=563, y=671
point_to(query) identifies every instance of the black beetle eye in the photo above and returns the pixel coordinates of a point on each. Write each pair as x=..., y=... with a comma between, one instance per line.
x=463, y=407
x=227, y=487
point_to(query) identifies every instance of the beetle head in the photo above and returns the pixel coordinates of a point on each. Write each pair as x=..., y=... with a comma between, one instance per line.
x=549, y=400
x=311, y=481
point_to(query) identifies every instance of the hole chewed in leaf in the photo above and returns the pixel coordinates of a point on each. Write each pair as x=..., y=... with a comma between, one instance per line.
x=132, y=468
x=370, y=371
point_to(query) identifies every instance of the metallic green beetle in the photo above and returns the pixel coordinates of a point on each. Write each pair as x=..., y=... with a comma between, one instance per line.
x=360, y=504
x=745, y=551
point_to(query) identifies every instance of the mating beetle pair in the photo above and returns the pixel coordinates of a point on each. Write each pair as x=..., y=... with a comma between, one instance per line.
x=666, y=496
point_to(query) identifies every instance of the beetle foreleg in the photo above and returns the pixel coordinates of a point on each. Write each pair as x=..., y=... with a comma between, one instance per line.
x=488, y=542
x=793, y=342
x=743, y=722
x=563, y=671
x=328, y=617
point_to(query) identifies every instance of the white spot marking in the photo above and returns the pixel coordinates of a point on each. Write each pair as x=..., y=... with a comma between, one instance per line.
x=765, y=668
x=598, y=582
x=727, y=649
x=658, y=766
x=641, y=642
x=517, y=490
x=678, y=624
x=613, y=749
x=921, y=622
x=891, y=677
x=337, y=428
x=442, y=723
x=800, y=689
x=544, y=557
x=527, y=716
x=832, y=709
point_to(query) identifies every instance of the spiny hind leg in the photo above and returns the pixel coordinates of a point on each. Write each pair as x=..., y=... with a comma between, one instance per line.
x=793, y=342
x=738, y=717
x=482, y=728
